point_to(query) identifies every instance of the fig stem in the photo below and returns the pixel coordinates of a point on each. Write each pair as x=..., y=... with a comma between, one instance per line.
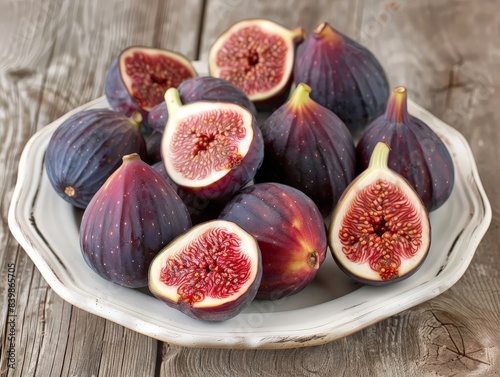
x=300, y=95
x=173, y=101
x=326, y=32
x=397, y=106
x=131, y=157
x=298, y=34
x=136, y=119
x=379, y=157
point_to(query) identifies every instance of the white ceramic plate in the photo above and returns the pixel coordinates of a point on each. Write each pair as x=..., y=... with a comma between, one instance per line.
x=331, y=307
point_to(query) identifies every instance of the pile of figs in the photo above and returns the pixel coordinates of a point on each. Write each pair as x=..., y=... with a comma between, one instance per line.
x=214, y=191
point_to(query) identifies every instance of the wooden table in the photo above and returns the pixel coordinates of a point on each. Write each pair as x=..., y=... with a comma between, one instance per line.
x=54, y=56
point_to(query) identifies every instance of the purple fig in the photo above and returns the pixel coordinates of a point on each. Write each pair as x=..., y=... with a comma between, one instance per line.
x=129, y=220
x=417, y=152
x=344, y=76
x=289, y=230
x=308, y=147
x=87, y=148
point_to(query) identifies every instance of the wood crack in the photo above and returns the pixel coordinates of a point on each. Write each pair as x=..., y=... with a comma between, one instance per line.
x=460, y=350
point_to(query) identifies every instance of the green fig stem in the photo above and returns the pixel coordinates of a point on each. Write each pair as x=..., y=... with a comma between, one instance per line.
x=379, y=157
x=136, y=119
x=173, y=101
x=397, y=106
x=300, y=96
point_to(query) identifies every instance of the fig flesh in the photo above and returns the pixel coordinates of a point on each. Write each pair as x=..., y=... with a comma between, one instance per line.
x=257, y=56
x=139, y=76
x=344, y=76
x=418, y=153
x=212, y=272
x=308, y=147
x=210, y=148
x=204, y=88
x=289, y=230
x=87, y=148
x=133, y=216
x=380, y=230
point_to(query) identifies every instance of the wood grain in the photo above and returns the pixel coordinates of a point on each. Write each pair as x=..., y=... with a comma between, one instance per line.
x=53, y=57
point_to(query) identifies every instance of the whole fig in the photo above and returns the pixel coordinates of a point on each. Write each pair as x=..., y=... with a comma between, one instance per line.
x=308, y=147
x=129, y=220
x=87, y=148
x=289, y=230
x=418, y=153
x=344, y=76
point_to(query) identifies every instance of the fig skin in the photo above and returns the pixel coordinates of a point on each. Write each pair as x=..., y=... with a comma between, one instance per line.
x=201, y=310
x=200, y=209
x=204, y=88
x=87, y=148
x=262, y=65
x=289, y=230
x=380, y=232
x=121, y=98
x=418, y=153
x=308, y=147
x=344, y=76
x=238, y=173
x=128, y=221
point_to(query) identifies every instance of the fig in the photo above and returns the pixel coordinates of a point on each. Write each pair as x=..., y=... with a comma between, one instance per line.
x=418, y=153
x=289, y=230
x=139, y=76
x=133, y=216
x=257, y=56
x=344, y=76
x=204, y=88
x=153, y=146
x=211, y=272
x=308, y=147
x=199, y=209
x=210, y=148
x=380, y=231
x=87, y=148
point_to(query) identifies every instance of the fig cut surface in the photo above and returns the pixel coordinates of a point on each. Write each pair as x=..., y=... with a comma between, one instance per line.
x=380, y=231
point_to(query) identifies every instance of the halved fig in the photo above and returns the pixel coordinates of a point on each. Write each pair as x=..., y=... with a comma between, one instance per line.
x=204, y=88
x=210, y=148
x=209, y=273
x=139, y=76
x=289, y=230
x=257, y=56
x=380, y=231
x=133, y=216
x=418, y=153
